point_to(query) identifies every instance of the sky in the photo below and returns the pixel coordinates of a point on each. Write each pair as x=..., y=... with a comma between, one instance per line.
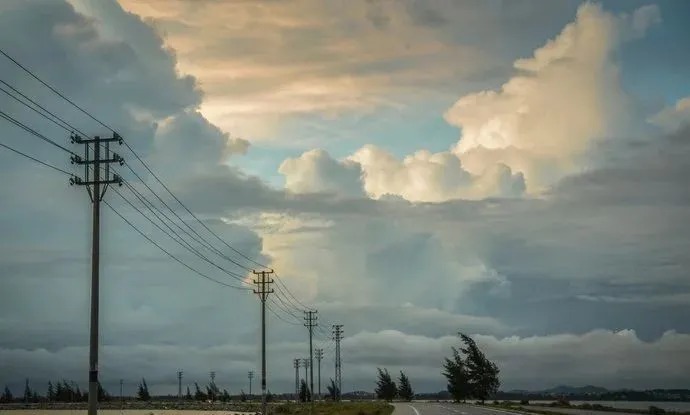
x=515, y=170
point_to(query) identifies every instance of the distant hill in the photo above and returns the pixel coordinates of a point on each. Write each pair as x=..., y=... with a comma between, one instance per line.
x=580, y=390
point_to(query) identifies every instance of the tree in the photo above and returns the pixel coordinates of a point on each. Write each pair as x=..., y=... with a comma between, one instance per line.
x=243, y=396
x=269, y=396
x=51, y=392
x=473, y=376
x=212, y=391
x=226, y=396
x=404, y=388
x=28, y=396
x=198, y=394
x=103, y=396
x=189, y=394
x=304, y=393
x=143, y=391
x=483, y=373
x=7, y=396
x=333, y=391
x=458, y=379
x=385, y=387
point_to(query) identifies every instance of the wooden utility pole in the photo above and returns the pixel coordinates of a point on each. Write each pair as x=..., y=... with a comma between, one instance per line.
x=319, y=357
x=337, y=336
x=250, y=375
x=295, y=363
x=179, y=384
x=263, y=284
x=310, y=322
x=96, y=187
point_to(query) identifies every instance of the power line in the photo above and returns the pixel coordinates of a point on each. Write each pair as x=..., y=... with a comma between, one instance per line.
x=34, y=132
x=53, y=89
x=36, y=160
x=179, y=240
x=84, y=111
x=61, y=125
x=171, y=255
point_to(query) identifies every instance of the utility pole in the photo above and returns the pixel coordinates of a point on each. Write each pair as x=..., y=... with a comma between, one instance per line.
x=295, y=362
x=310, y=319
x=213, y=386
x=251, y=376
x=122, y=399
x=305, y=364
x=337, y=336
x=96, y=187
x=179, y=384
x=263, y=284
x=319, y=357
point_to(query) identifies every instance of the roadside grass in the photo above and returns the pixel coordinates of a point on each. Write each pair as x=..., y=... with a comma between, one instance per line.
x=330, y=408
x=519, y=407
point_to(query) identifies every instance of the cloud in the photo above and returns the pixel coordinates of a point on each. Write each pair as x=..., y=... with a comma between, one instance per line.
x=673, y=118
x=539, y=127
x=315, y=171
x=565, y=99
x=266, y=62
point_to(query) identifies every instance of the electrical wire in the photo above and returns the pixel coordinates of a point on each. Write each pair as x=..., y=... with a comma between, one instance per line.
x=33, y=132
x=36, y=160
x=201, y=274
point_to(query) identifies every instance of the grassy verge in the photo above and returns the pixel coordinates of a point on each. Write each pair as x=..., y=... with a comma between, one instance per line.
x=516, y=407
x=343, y=408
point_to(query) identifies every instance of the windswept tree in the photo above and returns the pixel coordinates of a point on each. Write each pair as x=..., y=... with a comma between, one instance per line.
x=143, y=391
x=188, y=396
x=304, y=393
x=28, y=396
x=103, y=395
x=473, y=376
x=51, y=392
x=458, y=379
x=198, y=394
x=404, y=388
x=6, y=395
x=333, y=391
x=385, y=387
x=226, y=396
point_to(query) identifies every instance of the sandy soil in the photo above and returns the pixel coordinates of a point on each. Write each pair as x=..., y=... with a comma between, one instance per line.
x=115, y=412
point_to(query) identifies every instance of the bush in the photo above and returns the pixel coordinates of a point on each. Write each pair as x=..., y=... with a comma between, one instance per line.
x=524, y=402
x=497, y=403
x=653, y=410
x=283, y=409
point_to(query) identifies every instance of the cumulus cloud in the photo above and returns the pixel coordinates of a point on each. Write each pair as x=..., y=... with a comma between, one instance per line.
x=316, y=171
x=539, y=127
x=566, y=97
x=673, y=118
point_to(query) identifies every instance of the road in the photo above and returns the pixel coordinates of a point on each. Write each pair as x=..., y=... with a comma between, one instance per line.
x=444, y=408
x=575, y=411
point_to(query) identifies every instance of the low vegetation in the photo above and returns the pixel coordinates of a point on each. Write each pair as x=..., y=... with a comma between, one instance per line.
x=331, y=408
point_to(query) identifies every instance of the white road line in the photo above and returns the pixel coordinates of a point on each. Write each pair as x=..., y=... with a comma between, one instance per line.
x=414, y=409
x=499, y=410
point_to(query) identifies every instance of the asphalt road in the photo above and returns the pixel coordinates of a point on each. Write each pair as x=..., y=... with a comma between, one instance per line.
x=574, y=411
x=443, y=408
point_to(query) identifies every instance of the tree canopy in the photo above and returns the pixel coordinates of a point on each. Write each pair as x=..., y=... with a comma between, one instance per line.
x=471, y=376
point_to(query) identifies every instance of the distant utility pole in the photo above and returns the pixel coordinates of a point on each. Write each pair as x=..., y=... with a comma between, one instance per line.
x=122, y=398
x=251, y=376
x=337, y=336
x=96, y=187
x=305, y=364
x=319, y=357
x=263, y=284
x=212, y=374
x=310, y=322
x=295, y=362
x=179, y=384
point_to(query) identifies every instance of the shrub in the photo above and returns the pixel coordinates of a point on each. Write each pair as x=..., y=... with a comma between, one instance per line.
x=653, y=410
x=524, y=402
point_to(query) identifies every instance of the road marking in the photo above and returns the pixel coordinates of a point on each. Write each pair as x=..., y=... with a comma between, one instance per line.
x=498, y=410
x=414, y=409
